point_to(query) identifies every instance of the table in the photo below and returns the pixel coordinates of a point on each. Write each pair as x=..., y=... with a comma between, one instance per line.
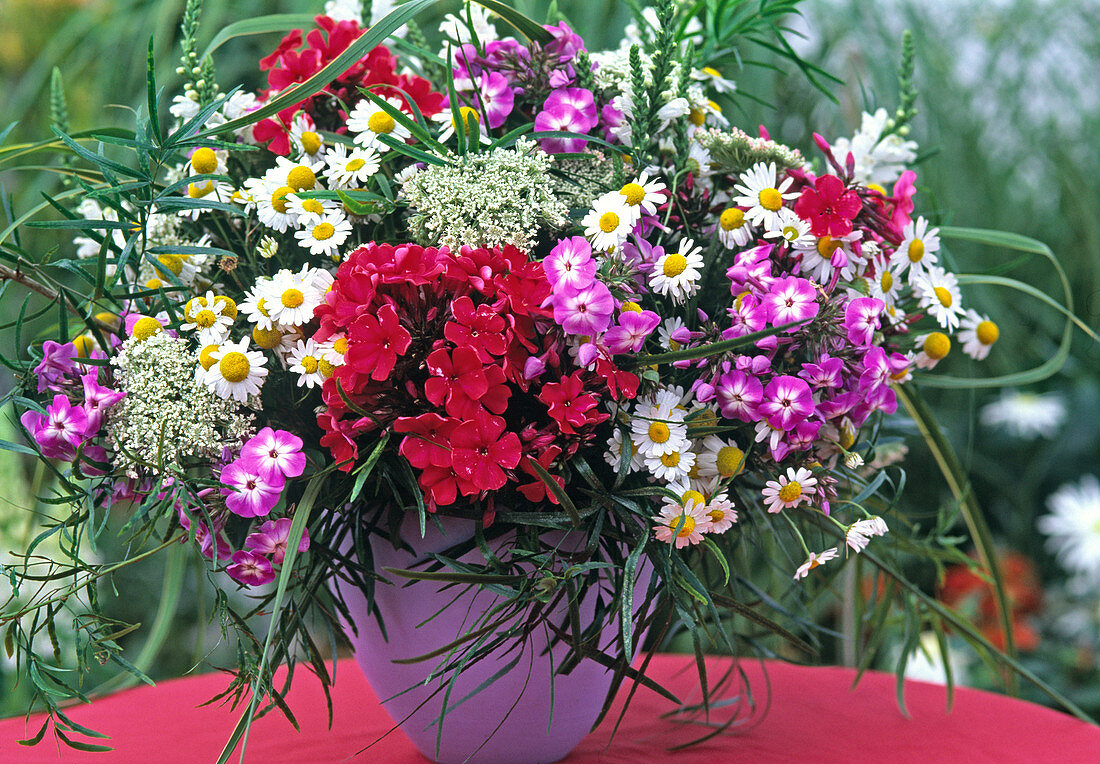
x=814, y=715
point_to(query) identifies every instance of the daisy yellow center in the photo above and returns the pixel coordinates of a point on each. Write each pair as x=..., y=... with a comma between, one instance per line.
x=172, y=263
x=790, y=233
x=355, y=165
x=311, y=142
x=341, y=345
x=937, y=345
x=144, y=328
x=630, y=307
x=469, y=118
x=876, y=187
x=234, y=367
x=658, y=432
x=323, y=231
x=204, y=161
x=887, y=281
x=292, y=298
x=301, y=178
x=229, y=308
x=697, y=117
x=327, y=369
x=268, y=339
x=792, y=491
x=987, y=332
x=83, y=345
x=729, y=461
x=731, y=219
x=278, y=199
x=716, y=515
x=916, y=251
x=153, y=284
x=381, y=122
x=704, y=419
x=206, y=359
x=711, y=71
x=687, y=497
x=314, y=206
x=944, y=296
x=609, y=221
x=199, y=190
x=826, y=246
x=685, y=523
x=634, y=194
x=261, y=306
x=693, y=473
x=770, y=199
x=204, y=319
x=107, y=318
x=309, y=364
x=675, y=264
x=671, y=460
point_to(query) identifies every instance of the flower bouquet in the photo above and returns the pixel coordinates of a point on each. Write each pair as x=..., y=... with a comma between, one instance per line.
x=508, y=360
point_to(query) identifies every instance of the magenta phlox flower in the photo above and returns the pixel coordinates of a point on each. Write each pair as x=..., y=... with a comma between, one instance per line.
x=97, y=399
x=533, y=368
x=739, y=395
x=60, y=430
x=787, y=401
x=612, y=119
x=251, y=569
x=569, y=110
x=497, y=98
x=566, y=43
x=751, y=268
x=747, y=315
x=861, y=319
x=876, y=370
x=274, y=452
x=272, y=539
x=775, y=437
x=839, y=405
x=757, y=365
x=827, y=372
x=631, y=333
x=791, y=299
x=570, y=264
x=56, y=365
x=804, y=435
x=587, y=311
x=903, y=200
x=248, y=492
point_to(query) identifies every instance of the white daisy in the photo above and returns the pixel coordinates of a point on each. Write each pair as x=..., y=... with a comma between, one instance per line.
x=305, y=138
x=368, y=120
x=210, y=321
x=886, y=286
x=255, y=305
x=272, y=205
x=643, y=194
x=207, y=161
x=305, y=361
x=1026, y=415
x=860, y=533
x=309, y=211
x=609, y=222
x=789, y=490
x=822, y=257
x=733, y=229
x=327, y=236
x=237, y=372
x=675, y=465
x=470, y=118
x=977, y=334
x=677, y=273
x=720, y=514
x=815, y=560
x=712, y=77
x=292, y=298
x=669, y=327
x=334, y=350
x=301, y=175
x=681, y=524
x=938, y=292
x=351, y=169
x=934, y=347
x=1073, y=527
x=762, y=195
x=657, y=430
x=793, y=229
x=719, y=457
x=209, y=190
x=917, y=250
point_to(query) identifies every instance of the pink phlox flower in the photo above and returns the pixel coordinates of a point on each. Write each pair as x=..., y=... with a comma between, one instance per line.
x=274, y=452
x=272, y=539
x=375, y=342
x=566, y=43
x=57, y=363
x=427, y=441
x=631, y=333
x=827, y=372
x=751, y=267
x=249, y=493
x=829, y=207
x=586, y=311
x=902, y=197
x=839, y=405
x=753, y=364
x=804, y=435
x=876, y=370
x=570, y=264
x=60, y=430
x=481, y=451
x=97, y=399
x=567, y=110
x=861, y=319
x=791, y=299
x=251, y=569
x=497, y=98
x=739, y=395
x=787, y=401
x=533, y=368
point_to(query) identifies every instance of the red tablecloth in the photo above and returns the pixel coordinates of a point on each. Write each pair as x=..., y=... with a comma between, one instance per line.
x=814, y=716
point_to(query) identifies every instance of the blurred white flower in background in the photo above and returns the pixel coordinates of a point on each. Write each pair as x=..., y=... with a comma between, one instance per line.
x=1026, y=415
x=1073, y=527
x=927, y=663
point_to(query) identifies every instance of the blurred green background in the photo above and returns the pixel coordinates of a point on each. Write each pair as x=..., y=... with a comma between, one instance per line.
x=1009, y=129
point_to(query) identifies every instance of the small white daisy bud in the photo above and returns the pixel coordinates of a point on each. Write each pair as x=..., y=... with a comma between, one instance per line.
x=853, y=461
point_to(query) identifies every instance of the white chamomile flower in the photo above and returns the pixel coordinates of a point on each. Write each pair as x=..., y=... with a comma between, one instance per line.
x=1026, y=415
x=675, y=465
x=712, y=77
x=677, y=273
x=1073, y=527
x=720, y=458
x=321, y=280
x=917, y=250
x=309, y=211
x=208, y=190
x=207, y=161
x=886, y=286
x=301, y=175
x=822, y=257
x=789, y=490
x=643, y=194
x=445, y=119
x=977, y=334
x=816, y=559
x=255, y=306
x=667, y=329
x=657, y=430
x=792, y=229
x=938, y=292
x=292, y=298
x=761, y=193
x=272, y=205
x=931, y=349
x=860, y=533
x=305, y=139
x=327, y=236
x=733, y=229
x=368, y=121
x=616, y=447
x=209, y=320
x=351, y=169
x=236, y=371
x=720, y=514
x=305, y=361
x=334, y=350
x=609, y=222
